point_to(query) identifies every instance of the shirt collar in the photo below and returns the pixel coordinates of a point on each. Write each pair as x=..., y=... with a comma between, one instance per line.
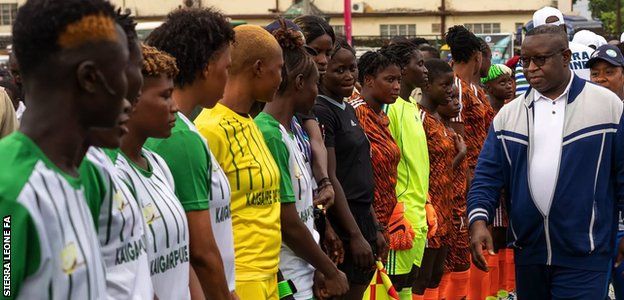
x=342, y=105
x=539, y=97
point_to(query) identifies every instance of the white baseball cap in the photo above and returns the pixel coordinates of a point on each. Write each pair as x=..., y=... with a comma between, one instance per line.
x=622, y=38
x=600, y=40
x=586, y=38
x=540, y=16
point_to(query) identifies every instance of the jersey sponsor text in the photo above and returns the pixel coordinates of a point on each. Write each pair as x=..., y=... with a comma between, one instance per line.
x=129, y=252
x=169, y=261
x=262, y=198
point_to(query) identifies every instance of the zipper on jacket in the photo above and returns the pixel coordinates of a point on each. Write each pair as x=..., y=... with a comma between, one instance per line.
x=548, y=248
x=591, y=228
x=544, y=214
x=513, y=232
x=593, y=215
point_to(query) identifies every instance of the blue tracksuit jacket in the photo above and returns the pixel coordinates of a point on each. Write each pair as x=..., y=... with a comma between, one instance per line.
x=579, y=229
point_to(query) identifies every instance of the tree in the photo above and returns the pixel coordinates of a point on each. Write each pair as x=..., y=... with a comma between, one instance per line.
x=605, y=10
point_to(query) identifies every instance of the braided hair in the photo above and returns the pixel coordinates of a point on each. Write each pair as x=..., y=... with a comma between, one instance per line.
x=463, y=43
x=401, y=52
x=341, y=43
x=373, y=62
x=296, y=58
x=156, y=63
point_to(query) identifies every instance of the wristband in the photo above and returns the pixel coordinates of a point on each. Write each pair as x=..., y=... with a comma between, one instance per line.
x=284, y=289
x=323, y=181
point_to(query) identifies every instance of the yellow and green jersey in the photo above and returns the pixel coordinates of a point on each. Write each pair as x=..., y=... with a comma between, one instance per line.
x=47, y=226
x=240, y=150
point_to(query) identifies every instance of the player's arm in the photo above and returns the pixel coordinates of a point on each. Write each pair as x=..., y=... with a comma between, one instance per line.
x=483, y=197
x=319, y=161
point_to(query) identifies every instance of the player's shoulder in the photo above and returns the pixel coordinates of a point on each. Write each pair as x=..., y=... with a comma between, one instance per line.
x=20, y=158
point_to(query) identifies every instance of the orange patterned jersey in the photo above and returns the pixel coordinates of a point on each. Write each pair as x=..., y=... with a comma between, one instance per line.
x=476, y=114
x=441, y=154
x=385, y=156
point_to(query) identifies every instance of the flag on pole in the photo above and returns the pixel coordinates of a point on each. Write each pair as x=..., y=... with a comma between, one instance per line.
x=380, y=287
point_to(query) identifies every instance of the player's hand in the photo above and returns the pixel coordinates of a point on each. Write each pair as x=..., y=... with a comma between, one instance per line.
x=336, y=284
x=432, y=220
x=325, y=196
x=234, y=296
x=362, y=252
x=333, y=245
x=480, y=235
x=320, y=292
x=460, y=145
x=382, y=248
x=400, y=232
x=620, y=256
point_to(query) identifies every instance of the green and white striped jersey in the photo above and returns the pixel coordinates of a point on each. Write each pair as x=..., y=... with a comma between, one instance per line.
x=54, y=251
x=166, y=225
x=293, y=267
x=288, y=156
x=200, y=184
x=120, y=227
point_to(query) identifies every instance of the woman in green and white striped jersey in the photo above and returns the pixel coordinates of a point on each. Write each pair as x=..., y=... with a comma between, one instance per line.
x=115, y=210
x=54, y=252
x=166, y=224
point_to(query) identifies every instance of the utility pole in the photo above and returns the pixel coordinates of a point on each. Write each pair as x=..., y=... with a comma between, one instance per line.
x=618, y=16
x=347, y=20
x=442, y=18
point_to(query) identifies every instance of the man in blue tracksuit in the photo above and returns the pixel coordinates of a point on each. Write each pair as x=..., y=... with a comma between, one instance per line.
x=558, y=152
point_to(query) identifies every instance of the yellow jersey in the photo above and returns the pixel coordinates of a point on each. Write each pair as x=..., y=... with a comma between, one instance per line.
x=239, y=147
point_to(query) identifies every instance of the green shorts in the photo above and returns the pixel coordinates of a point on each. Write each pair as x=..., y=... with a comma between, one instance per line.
x=400, y=262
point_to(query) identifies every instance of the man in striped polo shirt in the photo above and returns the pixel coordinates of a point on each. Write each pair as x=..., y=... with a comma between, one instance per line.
x=54, y=250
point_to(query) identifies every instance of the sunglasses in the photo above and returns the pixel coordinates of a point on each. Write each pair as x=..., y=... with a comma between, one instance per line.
x=538, y=60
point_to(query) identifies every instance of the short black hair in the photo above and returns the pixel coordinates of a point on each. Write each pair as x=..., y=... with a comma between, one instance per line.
x=418, y=41
x=485, y=48
x=373, y=62
x=341, y=43
x=401, y=52
x=314, y=27
x=397, y=39
x=462, y=42
x=39, y=23
x=427, y=48
x=557, y=31
x=437, y=68
x=192, y=36
x=127, y=23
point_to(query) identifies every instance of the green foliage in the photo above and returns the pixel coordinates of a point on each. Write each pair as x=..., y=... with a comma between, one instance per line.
x=604, y=10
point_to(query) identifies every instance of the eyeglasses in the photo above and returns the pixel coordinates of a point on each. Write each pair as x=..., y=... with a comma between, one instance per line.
x=538, y=60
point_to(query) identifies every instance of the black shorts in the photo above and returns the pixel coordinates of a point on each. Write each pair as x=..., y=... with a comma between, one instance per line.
x=364, y=219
